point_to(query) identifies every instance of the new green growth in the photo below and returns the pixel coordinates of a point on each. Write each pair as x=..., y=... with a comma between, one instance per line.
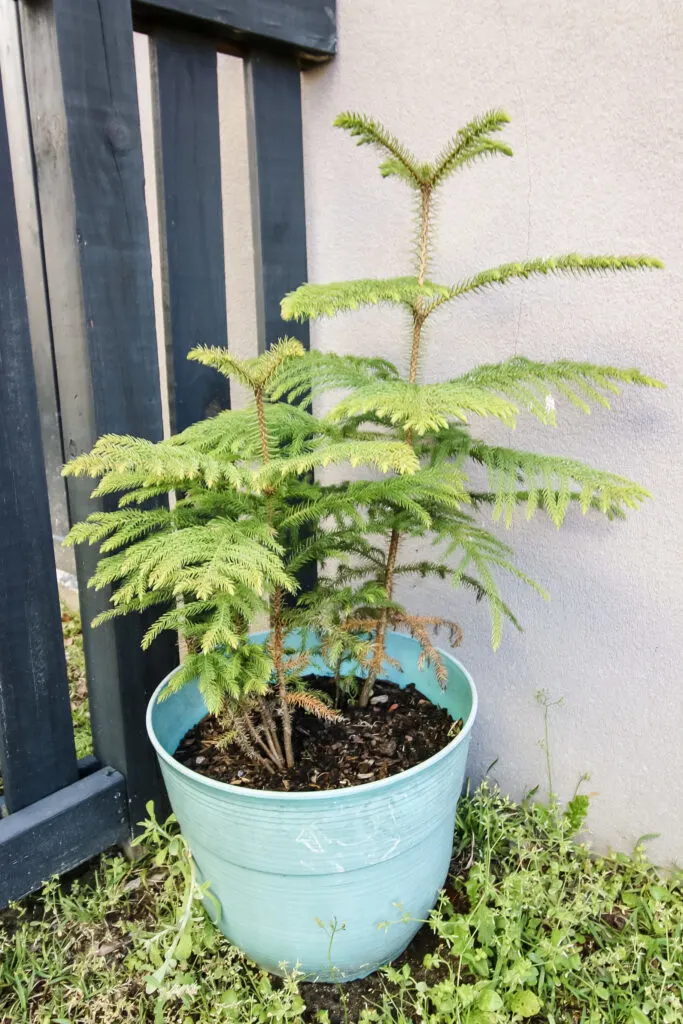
x=249, y=514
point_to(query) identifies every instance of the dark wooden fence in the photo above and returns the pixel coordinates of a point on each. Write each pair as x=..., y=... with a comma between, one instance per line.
x=95, y=357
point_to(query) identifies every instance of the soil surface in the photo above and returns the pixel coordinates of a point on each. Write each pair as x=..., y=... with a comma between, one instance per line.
x=398, y=730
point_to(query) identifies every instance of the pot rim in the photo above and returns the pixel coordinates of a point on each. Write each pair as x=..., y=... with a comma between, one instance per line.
x=317, y=795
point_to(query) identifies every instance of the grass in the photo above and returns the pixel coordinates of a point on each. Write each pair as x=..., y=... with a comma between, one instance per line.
x=75, y=670
x=530, y=927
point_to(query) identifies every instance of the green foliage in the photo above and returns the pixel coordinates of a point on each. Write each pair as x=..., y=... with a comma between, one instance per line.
x=323, y=371
x=535, y=927
x=469, y=144
x=572, y=263
x=211, y=562
x=551, y=482
x=247, y=514
x=434, y=417
x=531, y=384
x=256, y=373
x=369, y=132
x=312, y=301
x=75, y=670
x=422, y=408
x=532, y=927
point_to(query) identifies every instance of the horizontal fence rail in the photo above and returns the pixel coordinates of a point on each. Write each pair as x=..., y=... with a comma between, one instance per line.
x=306, y=27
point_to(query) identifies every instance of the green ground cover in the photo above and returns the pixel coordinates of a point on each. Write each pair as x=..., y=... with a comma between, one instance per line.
x=531, y=927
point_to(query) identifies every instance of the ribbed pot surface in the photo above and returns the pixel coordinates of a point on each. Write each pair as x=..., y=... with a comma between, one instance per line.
x=279, y=863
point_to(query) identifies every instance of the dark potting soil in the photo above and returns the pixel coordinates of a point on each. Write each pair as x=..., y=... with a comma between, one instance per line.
x=398, y=730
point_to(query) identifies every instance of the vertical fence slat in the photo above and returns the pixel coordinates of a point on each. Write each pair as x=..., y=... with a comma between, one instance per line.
x=276, y=163
x=37, y=753
x=30, y=238
x=186, y=90
x=83, y=104
x=277, y=171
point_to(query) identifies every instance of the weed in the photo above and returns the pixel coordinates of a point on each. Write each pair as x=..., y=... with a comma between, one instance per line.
x=531, y=927
x=75, y=670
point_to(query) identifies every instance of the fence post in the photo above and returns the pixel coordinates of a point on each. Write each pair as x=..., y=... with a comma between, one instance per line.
x=37, y=753
x=82, y=96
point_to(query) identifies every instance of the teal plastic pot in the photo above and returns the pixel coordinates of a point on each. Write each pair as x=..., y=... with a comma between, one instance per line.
x=281, y=863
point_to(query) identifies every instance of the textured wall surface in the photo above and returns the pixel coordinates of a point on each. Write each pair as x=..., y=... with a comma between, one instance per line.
x=594, y=92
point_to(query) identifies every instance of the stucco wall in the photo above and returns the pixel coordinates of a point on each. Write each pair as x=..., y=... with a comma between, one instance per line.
x=594, y=92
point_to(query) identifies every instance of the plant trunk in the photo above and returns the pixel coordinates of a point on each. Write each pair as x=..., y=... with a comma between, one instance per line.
x=277, y=640
x=378, y=652
x=419, y=317
x=277, y=651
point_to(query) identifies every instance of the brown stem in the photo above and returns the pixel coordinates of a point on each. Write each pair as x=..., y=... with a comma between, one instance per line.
x=271, y=729
x=243, y=742
x=378, y=652
x=418, y=321
x=419, y=317
x=337, y=684
x=277, y=641
x=423, y=245
x=266, y=747
x=277, y=651
x=263, y=432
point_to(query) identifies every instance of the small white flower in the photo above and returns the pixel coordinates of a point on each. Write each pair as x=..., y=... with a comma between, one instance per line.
x=549, y=403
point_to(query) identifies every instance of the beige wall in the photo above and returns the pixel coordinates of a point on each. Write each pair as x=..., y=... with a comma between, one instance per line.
x=594, y=91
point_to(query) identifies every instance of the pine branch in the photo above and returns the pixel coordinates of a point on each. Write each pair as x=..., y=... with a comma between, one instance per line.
x=417, y=626
x=572, y=263
x=370, y=132
x=235, y=435
x=488, y=498
x=222, y=679
x=125, y=462
x=253, y=373
x=481, y=555
x=386, y=455
x=312, y=704
x=324, y=371
x=551, y=482
x=528, y=383
x=219, y=557
x=469, y=144
x=421, y=408
x=311, y=301
x=120, y=527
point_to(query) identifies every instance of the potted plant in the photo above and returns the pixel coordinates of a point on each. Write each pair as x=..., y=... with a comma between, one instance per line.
x=262, y=735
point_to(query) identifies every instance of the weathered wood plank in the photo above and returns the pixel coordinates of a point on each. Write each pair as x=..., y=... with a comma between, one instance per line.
x=277, y=171
x=83, y=104
x=276, y=161
x=30, y=238
x=37, y=753
x=60, y=832
x=305, y=26
x=192, y=224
